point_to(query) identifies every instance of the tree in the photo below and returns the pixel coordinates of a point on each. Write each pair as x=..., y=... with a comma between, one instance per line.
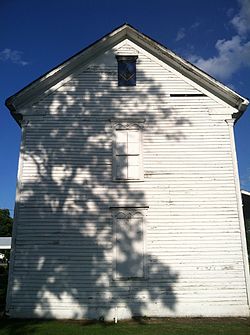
x=6, y=222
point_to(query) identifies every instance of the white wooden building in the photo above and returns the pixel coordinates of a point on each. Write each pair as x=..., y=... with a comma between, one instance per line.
x=128, y=200
x=5, y=244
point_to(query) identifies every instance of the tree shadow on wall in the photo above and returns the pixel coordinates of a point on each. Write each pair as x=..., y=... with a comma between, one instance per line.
x=63, y=260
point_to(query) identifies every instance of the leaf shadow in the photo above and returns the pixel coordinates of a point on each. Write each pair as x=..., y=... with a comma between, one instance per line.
x=63, y=255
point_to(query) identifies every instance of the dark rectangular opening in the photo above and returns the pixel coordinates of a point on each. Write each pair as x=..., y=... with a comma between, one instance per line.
x=126, y=70
x=187, y=95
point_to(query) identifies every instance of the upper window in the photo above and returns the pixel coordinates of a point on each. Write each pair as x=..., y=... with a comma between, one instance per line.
x=126, y=70
x=127, y=152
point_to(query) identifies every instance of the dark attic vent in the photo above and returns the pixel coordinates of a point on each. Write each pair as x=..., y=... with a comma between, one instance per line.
x=126, y=70
x=188, y=95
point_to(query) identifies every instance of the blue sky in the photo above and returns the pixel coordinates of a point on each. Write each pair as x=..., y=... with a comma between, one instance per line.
x=37, y=35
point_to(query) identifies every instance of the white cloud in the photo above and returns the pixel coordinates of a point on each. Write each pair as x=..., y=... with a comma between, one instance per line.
x=195, y=25
x=180, y=34
x=242, y=19
x=232, y=54
x=13, y=56
x=230, y=12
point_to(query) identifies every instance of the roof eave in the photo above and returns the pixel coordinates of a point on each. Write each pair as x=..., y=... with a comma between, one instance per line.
x=50, y=78
x=15, y=102
x=13, y=111
x=191, y=71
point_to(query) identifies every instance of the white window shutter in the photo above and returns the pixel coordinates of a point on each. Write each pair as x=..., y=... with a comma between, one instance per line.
x=134, y=136
x=129, y=247
x=121, y=136
x=127, y=154
x=133, y=142
x=121, y=167
x=121, y=142
x=133, y=167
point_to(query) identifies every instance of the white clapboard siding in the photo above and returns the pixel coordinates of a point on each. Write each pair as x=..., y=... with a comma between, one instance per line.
x=63, y=248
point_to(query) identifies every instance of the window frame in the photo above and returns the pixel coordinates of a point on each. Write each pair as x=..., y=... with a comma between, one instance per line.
x=127, y=125
x=121, y=59
x=129, y=211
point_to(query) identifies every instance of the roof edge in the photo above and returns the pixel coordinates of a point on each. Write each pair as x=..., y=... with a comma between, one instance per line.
x=12, y=102
x=189, y=70
x=59, y=72
x=245, y=192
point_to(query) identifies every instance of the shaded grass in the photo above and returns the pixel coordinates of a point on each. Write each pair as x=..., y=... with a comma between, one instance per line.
x=201, y=326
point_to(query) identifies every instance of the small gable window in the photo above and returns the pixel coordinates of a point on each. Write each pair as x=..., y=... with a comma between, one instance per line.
x=126, y=70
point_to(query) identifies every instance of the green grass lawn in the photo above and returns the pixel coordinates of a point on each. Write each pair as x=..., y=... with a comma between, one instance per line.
x=199, y=326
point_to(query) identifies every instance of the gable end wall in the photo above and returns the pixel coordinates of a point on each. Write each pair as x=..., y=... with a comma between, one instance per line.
x=62, y=263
